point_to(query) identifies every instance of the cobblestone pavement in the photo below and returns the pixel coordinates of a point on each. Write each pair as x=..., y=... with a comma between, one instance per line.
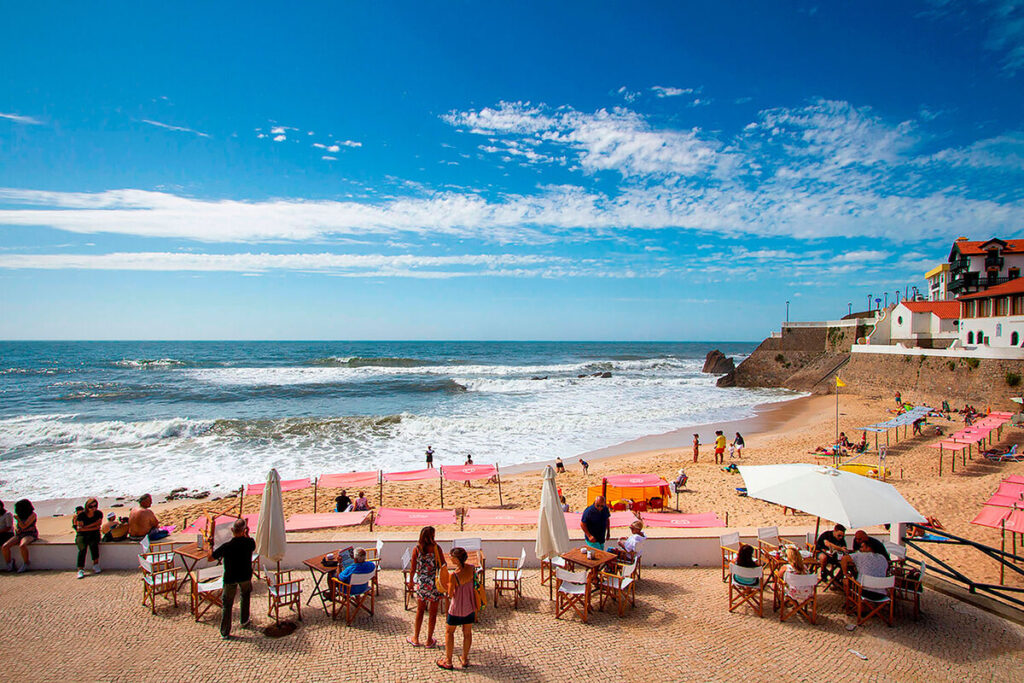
x=57, y=628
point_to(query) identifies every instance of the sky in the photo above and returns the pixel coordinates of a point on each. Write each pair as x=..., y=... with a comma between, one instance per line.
x=477, y=170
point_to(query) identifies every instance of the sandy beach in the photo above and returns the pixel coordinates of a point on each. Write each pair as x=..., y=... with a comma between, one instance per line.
x=781, y=433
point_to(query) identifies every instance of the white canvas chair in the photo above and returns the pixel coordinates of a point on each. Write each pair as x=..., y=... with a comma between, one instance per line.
x=408, y=575
x=373, y=555
x=620, y=587
x=798, y=594
x=741, y=593
x=547, y=573
x=768, y=540
x=572, y=592
x=871, y=596
x=909, y=586
x=473, y=544
x=160, y=555
x=508, y=577
x=342, y=595
x=158, y=579
x=730, y=546
x=207, y=590
x=282, y=591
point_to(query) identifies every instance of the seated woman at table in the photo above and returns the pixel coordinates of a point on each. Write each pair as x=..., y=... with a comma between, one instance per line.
x=745, y=558
x=795, y=565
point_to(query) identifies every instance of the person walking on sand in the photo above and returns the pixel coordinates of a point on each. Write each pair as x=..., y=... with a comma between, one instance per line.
x=87, y=535
x=739, y=444
x=696, y=447
x=430, y=457
x=237, y=556
x=461, y=609
x=719, y=447
x=585, y=465
x=559, y=466
x=426, y=562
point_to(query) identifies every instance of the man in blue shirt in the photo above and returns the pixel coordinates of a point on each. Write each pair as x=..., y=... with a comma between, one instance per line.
x=595, y=523
x=361, y=566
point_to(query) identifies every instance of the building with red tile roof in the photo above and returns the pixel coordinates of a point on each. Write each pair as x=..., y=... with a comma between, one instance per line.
x=977, y=266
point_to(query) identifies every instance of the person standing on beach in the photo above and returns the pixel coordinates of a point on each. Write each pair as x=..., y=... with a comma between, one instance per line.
x=585, y=465
x=430, y=457
x=899, y=400
x=87, y=536
x=461, y=609
x=738, y=443
x=696, y=447
x=559, y=466
x=596, y=522
x=719, y=447
x=237, y=557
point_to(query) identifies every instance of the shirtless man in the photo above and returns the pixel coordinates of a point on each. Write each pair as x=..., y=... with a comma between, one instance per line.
x=142, y=521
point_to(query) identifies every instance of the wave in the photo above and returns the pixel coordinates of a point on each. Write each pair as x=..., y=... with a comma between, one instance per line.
x=281, y=428
x=149, y=363
x=40, y=431
x=381, y=362
x=36, y=371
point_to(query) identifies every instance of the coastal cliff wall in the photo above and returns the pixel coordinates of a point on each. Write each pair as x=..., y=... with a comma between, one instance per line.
x=959, y=380
x=800, y=358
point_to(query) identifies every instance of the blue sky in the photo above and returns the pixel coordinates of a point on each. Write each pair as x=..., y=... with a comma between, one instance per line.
x=665, y=171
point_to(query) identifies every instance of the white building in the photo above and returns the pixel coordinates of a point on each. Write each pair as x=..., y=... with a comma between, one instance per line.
x=976, y=266
x=994, y=317
x=938, y=283
x=924, y=324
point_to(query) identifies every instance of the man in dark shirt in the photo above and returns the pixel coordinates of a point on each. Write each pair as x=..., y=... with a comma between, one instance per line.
x=342, y=502
x=830, y=545
x=595, y=522
x=237, y=557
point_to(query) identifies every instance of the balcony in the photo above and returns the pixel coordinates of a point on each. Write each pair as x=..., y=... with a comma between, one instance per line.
x=993, y=263
x=970, y=282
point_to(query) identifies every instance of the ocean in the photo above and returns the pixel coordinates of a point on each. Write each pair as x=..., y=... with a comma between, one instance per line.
x=120, y=418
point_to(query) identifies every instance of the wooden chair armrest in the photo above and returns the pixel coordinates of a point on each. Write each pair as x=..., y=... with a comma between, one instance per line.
x=172, y=570
x=288, y=583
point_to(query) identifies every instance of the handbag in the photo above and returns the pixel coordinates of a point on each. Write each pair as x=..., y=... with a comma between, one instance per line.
x=442, y=577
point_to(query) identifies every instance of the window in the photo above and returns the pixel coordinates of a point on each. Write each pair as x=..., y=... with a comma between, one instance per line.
x=899, y=320
x=1013, y=273
x=970, y=337
x=999, y=329
x=1014, y=338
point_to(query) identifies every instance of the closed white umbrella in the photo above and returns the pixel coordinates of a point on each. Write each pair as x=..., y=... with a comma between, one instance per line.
x=271, y=542
x=850, y=499
x=552, y=534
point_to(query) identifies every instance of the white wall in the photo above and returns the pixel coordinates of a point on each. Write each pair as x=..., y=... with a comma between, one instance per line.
x=998, y=331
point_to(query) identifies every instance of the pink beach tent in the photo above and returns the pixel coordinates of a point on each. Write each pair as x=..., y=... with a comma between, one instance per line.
x=408, y=517
x=325, y=520
x=484, y=516
x=1014, y=479
x=635, y=480
x=412, y=475
x=1003, y=501
x=468, y=472
x=288, y=485
x=1010, y=488
x=618, y=519
x=348, y=480
x=997, y=517
x=687, y=521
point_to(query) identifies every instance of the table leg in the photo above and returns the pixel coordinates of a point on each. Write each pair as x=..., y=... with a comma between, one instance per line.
x=189, y=572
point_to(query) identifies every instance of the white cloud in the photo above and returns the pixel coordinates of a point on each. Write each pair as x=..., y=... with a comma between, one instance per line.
x=278, y=130
x=664, y=91
x=327, y=157
x=280, y=138
x=334, y=148
x=180, y=129
x=351, y=143
x=862, y=256
x=1003, y=151
x=19, y=118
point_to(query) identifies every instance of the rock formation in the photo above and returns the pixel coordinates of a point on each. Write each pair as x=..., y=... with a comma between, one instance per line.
x=716, y=363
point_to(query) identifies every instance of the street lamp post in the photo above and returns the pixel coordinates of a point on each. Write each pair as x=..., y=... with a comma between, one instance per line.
x=850, y=308
x=787, y=311
x=869, y=303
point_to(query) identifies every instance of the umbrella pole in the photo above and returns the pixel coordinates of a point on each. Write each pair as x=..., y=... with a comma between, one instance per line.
x=940, y=459
x=380, y=484
x=497, y=475
x=1002, y=565
x=440, y=483
x=817, y=527
x=277, y=617
x=316, y=483
x=241, y=499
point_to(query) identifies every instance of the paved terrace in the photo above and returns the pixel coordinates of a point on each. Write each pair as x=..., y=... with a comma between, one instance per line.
x=56, y=628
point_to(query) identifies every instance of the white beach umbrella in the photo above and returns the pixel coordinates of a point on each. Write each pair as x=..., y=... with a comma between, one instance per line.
x=552, y=534
x=270, y=535
x=850, y=499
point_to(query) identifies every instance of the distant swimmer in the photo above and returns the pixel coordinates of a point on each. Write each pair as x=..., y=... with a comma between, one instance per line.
x=430, y=457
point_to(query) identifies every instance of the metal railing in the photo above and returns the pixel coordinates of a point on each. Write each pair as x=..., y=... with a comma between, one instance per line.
x=1006, y=560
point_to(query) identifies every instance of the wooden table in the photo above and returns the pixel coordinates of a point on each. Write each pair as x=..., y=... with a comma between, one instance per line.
x=473, y=557
x=318, y=570
x=577, y=557
x=191, y=555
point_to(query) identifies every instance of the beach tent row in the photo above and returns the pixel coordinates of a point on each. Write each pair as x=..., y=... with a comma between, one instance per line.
x=1005, y=511
x=377, y=478
x=902, y=420
x=968, y=436
x=404, y=517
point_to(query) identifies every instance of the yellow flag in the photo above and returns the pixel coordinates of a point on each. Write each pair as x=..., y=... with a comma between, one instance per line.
x=839, y=382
